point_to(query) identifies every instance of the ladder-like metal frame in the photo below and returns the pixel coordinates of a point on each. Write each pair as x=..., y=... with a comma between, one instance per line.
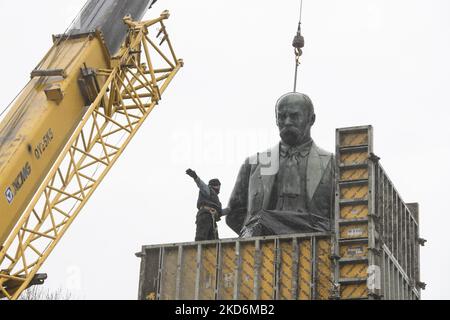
x=356, y=246
x=377, y=234
x=140, y=74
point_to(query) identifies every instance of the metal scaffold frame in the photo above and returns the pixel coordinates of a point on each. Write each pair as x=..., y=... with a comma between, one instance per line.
x=376, y=252
x=128, y=92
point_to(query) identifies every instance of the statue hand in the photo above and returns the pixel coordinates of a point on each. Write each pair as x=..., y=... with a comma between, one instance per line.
x=191, y=173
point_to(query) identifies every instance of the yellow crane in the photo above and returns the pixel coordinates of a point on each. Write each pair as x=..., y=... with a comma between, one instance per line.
x=85, y=101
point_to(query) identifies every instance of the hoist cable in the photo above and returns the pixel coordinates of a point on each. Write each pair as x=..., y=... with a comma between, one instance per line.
x=298, y=44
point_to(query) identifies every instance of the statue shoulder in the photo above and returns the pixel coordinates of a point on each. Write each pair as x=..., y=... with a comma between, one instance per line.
x=327, y=158
x=321, y=152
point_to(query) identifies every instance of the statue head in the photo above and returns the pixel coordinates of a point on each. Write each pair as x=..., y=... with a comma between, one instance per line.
x=295, y=117
x=215, y=184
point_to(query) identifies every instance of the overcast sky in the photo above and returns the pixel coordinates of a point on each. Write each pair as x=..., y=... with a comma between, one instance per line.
x=375, y=62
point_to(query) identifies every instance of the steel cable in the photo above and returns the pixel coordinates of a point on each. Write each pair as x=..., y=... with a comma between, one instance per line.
x=297, y=56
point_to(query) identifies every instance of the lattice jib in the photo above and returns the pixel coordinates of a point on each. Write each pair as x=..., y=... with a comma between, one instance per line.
x=140, y=74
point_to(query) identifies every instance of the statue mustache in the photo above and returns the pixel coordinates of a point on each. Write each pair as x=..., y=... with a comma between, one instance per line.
x=290, y=131
x=290, y=135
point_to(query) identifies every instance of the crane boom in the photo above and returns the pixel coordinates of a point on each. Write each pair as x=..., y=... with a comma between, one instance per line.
x=47, y=111
x=85, y=102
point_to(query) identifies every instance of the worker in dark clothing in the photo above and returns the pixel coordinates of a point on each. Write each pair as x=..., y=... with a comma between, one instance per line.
x=209, y=208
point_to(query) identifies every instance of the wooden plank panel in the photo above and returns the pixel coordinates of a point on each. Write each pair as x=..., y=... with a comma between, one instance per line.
x=354, y=211
x=359, y=250
x=287, y=271
x=354, y=174
x=169, y=276
x=267, y=270
x=228, y=258
x=354, y=192
x=324, y=270
x=354, y=138
x=353, y=231
x=188, y=273
x=208, y=274
x=354, y=291
x=305, y=271
x=353, y=270
x=247, y=271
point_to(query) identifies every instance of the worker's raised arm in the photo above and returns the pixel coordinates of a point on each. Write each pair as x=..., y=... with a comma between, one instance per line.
x=204, y=188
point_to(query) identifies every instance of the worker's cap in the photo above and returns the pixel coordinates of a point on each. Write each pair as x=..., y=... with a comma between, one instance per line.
x=215, y=182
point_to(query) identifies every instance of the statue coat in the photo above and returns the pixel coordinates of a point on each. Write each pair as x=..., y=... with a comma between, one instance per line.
x=256, y=178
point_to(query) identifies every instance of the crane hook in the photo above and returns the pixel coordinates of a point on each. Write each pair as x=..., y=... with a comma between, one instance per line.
x=298, y=44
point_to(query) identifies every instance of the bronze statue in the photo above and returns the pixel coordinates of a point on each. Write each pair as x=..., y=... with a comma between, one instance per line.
x=289, y=188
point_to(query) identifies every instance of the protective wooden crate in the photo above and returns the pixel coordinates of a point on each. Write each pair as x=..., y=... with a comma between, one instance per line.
x=282, y=268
